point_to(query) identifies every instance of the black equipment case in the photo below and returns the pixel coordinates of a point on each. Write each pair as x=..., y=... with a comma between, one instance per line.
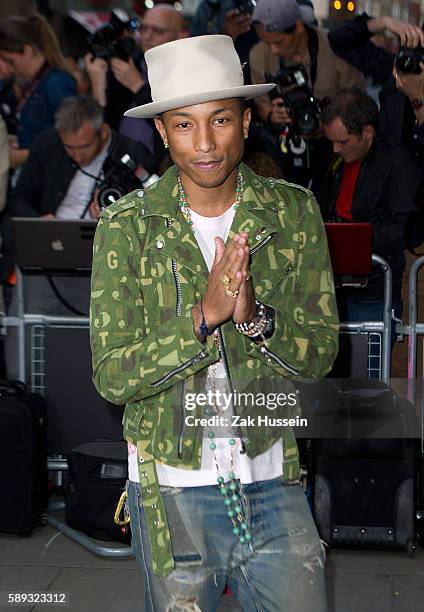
x=365, y=485
x=23, y=459
x=97, y=476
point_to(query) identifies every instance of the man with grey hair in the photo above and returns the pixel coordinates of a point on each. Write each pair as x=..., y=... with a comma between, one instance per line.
x=66, y=164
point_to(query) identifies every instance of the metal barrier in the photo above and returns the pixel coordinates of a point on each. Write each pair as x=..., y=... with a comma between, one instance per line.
x=383, y=327
x=413, y=330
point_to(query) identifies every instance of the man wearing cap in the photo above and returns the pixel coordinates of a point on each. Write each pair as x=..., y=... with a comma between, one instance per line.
x=286, y=39
x=203, y=286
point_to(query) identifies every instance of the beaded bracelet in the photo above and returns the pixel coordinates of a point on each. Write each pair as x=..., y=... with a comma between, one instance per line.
x=203, y=327
x=261, y=326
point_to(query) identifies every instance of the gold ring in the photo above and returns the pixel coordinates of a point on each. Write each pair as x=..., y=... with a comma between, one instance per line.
x=226, y=280
x=230, y=293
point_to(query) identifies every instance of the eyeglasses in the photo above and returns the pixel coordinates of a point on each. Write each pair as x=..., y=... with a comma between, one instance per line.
x=145, y=28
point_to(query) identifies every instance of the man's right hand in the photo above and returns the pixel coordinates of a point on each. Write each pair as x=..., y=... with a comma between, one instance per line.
x=409, y=35
x=279, y=114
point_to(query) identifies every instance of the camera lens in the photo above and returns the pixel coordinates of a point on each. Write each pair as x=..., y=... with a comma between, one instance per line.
x=306, y=122
x=408, y=61
x=108, y=196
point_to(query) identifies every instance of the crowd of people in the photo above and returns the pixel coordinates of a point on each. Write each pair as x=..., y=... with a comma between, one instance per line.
x=318, y=128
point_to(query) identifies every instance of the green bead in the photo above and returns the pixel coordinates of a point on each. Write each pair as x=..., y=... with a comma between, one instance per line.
x=220, y=479
x=231, y=441
x=227, y=502
x=237, y=509
x=223, y=489
x=242, y=539
x=230, y=513
x=236, y=530
x=212, y=446
x=247, y=536
x=235, y=498
x=211, y=434
x=233, y=486
x=243, y=525
x=232, y=475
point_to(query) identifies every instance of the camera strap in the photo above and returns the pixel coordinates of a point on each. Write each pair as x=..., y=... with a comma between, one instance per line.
x=101, y=175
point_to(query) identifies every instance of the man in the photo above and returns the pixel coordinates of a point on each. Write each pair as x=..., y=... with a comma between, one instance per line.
x=128, y=84
x=66, y=164
x=286, y=40
x=368, y=181
x=60, y=180
x=214, y=273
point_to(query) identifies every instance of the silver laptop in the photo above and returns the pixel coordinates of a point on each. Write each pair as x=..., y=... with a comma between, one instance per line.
x=54, y=245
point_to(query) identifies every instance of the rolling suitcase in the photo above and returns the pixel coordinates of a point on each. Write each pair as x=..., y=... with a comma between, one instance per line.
x=23, y=459
x=365, y=485
x=97, y=476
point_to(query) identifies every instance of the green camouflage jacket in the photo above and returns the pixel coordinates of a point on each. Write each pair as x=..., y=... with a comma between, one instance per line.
x=148, y=272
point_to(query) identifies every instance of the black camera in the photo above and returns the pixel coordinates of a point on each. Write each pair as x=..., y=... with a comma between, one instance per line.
x=304, y=108
x=408, y=60
x=123, y=176
x=110, y=41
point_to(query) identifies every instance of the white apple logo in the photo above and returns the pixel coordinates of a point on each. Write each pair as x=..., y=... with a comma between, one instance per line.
x=57, y=245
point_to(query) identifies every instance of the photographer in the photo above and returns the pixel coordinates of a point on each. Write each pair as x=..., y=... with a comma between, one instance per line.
x=287, y=42
x=65, y=165
x=367, y=181
x=401, y=119
x=119, y=79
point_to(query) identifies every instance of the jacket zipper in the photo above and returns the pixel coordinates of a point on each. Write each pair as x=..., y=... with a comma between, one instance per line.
x=177, y=287
x=179, y=369
x=265, y=351
x=183, y=425
x=260, y=245
x=223, y=355
x=176, y=279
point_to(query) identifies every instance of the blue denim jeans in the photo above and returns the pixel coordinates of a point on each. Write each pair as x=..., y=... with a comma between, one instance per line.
x=280, y=569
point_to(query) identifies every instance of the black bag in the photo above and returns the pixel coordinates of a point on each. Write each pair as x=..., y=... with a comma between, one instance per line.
x=98, y=472
x=365, y=488
x=23, y=459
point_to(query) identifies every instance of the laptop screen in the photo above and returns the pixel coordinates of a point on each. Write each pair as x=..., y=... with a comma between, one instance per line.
x=350, y=246
x=54, y=245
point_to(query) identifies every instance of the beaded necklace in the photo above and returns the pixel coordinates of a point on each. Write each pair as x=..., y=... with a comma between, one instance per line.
x=185, y=208
x=230, y=491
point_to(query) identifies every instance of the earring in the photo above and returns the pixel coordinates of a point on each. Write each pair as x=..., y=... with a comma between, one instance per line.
x=165, y=144
x=245, y=136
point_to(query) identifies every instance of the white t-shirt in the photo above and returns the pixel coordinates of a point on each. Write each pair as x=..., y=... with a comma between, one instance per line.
x=81, y=188
x=263, y=467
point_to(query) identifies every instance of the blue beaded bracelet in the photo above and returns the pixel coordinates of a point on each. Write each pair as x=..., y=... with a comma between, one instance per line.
x=203, y=327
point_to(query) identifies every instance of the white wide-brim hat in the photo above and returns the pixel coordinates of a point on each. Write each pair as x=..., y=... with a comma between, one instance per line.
x=192, y=71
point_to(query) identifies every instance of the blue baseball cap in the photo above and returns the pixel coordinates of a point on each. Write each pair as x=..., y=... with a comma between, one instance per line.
x=276, y=15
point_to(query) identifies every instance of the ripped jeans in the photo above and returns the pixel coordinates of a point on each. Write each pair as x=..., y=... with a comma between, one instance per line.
x=280, y=569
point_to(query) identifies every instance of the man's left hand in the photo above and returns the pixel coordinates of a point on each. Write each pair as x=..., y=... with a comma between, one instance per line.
x=127, y=74
x=412, y=85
